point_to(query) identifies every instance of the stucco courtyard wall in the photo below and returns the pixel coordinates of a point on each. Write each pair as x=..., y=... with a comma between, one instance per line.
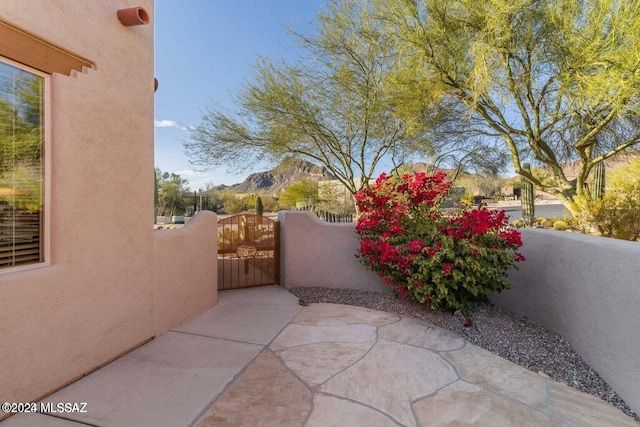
x=587, y=289
x=110, y=281
x=317, y=253
x=185, y=270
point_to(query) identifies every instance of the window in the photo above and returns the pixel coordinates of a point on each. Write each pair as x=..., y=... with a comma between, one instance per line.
x=21, y=166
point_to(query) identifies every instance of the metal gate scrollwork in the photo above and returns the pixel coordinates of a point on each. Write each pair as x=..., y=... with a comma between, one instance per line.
x=248, y=252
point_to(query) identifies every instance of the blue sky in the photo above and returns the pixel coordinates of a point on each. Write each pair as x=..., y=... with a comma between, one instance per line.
x=204, y=50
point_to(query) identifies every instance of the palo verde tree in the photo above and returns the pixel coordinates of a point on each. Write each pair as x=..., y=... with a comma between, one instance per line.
x=304, y=191
x=333, y=108
x=556, y=81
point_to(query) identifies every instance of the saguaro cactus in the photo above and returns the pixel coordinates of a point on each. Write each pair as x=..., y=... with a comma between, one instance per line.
x=597, y=181
x=527, y=198
x=259, y=206
x=195, y=202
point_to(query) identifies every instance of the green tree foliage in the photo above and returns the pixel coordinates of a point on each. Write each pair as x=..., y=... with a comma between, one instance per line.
x=479, y=185
x=234, y=205
x=617, y=213
x=333, y=198
x=170, y=193
x=155, y=194
x=21, y=138
x=270, y=203
x=225, y=200
x=625, y=179
x=20, y=119
x=214, y=198
x=553, y=80
x=249, y=201
x=305, y=191
x=335, y=108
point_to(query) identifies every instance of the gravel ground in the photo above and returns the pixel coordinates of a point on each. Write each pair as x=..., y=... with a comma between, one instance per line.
x=502, y=332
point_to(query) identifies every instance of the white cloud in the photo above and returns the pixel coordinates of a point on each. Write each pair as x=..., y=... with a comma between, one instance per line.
x=172, y=124
x=165, y=123
x=191, y=172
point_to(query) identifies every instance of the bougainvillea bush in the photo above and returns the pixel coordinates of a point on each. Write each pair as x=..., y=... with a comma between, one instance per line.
x=445, y=259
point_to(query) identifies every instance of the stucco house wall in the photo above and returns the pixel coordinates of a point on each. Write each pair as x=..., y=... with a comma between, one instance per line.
x=110, y=281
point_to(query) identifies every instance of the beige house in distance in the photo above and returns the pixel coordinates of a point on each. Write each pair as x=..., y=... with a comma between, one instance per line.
x=83, y=275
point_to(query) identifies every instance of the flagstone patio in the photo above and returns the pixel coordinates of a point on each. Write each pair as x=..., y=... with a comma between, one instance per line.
x=260, y=359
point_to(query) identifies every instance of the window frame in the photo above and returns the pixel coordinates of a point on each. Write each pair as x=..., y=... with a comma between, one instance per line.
x=25, y=48
x=45, y=217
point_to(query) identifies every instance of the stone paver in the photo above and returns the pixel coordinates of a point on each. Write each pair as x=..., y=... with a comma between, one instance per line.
x=390, y=377
x=338, y=314
x=266, y=394
x=479, y=366
x=582, y=409
x=296, y=335
x=259, y=358
x=421, y=334
x=463, y=404
x=316, y=363
x=330, y=411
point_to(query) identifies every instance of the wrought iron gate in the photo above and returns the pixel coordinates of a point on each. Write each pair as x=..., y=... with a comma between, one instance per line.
x=248, y=252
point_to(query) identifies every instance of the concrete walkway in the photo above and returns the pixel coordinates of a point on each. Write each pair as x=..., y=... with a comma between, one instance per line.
x=260, y=359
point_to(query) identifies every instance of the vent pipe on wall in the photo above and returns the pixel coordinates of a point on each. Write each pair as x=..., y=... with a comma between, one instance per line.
x=133, y=16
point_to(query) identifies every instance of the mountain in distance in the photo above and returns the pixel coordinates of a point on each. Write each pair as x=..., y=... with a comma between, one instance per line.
x=286, y=173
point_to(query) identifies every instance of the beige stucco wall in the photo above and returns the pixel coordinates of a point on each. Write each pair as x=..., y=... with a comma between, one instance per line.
x=111, y=281
x=185, y=271
x=317, y=253
x=587, y=289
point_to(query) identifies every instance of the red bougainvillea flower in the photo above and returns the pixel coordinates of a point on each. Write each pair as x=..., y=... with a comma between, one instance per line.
x=511, y=236
x=402, y=291
x=447, y=268
x=416, y=246
x=434, y=250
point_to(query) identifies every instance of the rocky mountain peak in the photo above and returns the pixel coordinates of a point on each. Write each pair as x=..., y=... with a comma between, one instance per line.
x=277, y=179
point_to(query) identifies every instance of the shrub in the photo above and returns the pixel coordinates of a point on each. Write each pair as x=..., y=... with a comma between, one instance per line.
x=560, y=225
x=233, y=205
x=517, y=223
x=546, y=223
x=466, y=199
x=443, y=260
x=617, y=214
